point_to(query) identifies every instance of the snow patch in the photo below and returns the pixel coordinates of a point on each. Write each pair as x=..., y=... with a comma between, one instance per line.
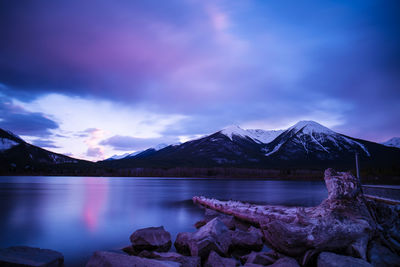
x=393, y=142
x=115, y=157
x=6, y=144
x=264, y=136
x=257, y=135
x=235, y=130
x=276, y=148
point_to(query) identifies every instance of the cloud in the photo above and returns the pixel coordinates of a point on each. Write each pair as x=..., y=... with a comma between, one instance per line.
x=22, y=122
x=213, y=63
x=92, y=141
x=94, y=152
x=44, y=143
x=128, y=143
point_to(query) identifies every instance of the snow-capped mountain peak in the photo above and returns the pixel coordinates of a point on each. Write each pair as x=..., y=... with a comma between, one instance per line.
x=310, y=136
x=310, y=127
x=232, y=130
x=393, y=142
x=257, y=135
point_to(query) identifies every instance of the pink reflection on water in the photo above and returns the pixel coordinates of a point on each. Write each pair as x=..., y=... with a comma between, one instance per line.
x=96, y=193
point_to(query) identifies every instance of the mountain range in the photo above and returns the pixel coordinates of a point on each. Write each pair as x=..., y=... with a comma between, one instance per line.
x=305, y=145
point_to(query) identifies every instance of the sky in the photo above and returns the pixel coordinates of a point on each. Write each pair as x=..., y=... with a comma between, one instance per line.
x=91, y=79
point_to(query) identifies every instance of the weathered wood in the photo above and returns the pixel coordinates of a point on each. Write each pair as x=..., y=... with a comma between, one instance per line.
x=340, y=223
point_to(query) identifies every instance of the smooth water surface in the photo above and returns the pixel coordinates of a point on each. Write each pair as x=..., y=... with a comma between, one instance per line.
x=79, y=215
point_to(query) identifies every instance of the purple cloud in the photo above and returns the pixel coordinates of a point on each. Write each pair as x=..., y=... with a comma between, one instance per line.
x=44, y=143
x=23, y=122
x=218, y=63
x=128, y=143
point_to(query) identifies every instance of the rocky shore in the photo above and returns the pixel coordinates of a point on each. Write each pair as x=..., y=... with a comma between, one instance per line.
x=346, y=229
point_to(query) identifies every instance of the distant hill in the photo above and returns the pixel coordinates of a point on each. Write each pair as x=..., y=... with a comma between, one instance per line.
x=18, y=156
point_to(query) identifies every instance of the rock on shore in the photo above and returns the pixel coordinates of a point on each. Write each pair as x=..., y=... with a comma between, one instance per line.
x=151, y=238
x=29, y=256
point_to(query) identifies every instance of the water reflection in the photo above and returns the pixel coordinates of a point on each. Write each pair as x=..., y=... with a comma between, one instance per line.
x=96, y=193
x=77, y=215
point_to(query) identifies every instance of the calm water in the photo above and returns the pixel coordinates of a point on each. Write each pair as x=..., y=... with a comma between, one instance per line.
x=78, y=215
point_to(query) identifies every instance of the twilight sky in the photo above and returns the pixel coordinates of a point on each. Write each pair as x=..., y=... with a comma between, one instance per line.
x=96, y=78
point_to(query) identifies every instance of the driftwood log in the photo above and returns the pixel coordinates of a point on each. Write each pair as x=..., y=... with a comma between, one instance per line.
x=344, y=223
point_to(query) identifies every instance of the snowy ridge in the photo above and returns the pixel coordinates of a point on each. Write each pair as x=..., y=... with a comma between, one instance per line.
x=310, y=134
x=264, y=136
x=235, y=130
x=114, y=157
x=6, y=144
x=129, y=155
x=393, y=142
x=160, y=146
x=257, y=135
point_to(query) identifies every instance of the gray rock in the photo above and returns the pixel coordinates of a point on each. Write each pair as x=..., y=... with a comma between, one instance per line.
x=252, y=265
x=214, y=260
x=110, y=259
x=182, y=243
x=29, y=256
x=262, y=258
x=256, y=231
x=286, y=262
x=209, y=215
x=185, y=261
x=246, y=241
x=381, y=256
x=328, y=259
x=212, y=236
x=151, y=238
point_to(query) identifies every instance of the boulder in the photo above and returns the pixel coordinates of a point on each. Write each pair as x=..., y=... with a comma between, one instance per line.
x=262, y=258
x=151, y=238
x=252, y=265
x=381, y=256
x=214, y=260
x=256, y=231
x=30, y=256
x=185, y=261
x=341, y=221
x=130, y=251
x=182, y=243
x=245, y=241
x=328, y=259
x=107, y=259
x=286, y=262
x=228, y=220
x=212, y=236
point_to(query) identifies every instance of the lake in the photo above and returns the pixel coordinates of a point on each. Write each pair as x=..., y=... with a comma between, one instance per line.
x=79, y=215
